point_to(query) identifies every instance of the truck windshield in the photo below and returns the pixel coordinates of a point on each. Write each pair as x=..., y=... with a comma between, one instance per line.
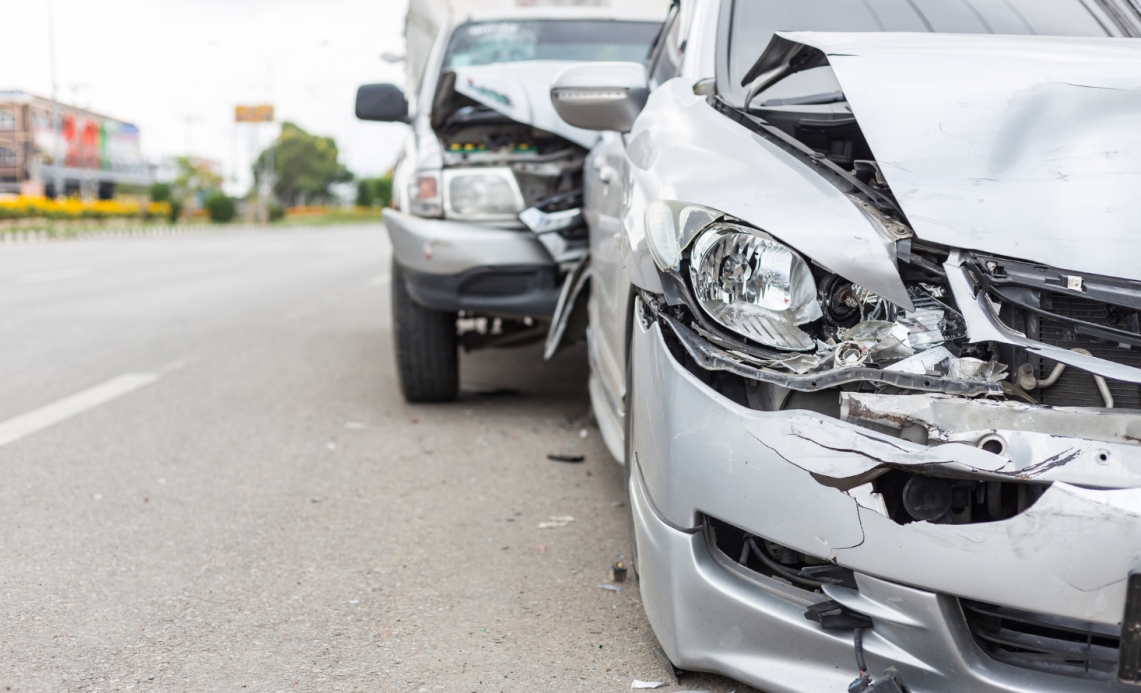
x=485, y=43
x=754, y=22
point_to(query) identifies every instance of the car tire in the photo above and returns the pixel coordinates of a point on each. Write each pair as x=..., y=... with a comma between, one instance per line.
x=427, y=354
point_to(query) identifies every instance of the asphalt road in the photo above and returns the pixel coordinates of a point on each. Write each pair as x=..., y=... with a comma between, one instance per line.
x=209, y=481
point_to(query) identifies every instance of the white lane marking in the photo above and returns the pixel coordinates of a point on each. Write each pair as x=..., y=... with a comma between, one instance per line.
x=53, y=275
x=61, y=410
x=378, y=280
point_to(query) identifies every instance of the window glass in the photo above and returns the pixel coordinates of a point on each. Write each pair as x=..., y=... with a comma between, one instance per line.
x=7, y=120
x=487, y=43
x=669, y=57
x=754, y=21
x=7, y=157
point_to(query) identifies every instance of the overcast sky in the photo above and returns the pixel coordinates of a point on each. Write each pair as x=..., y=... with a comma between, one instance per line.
x=177, y=68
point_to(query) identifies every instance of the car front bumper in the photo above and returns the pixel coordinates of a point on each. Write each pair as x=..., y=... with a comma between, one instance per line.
x=700, y=455
x=453, y=266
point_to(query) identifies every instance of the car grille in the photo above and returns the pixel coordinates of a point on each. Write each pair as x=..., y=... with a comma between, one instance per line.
x=1044, y=643
x=1077, y=388
x=499, y=283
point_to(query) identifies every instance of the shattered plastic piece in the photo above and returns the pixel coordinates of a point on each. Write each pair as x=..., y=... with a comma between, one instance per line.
x=850, y=354
x=583, y=433
x=869, y=331
x=977, y=369
x=565, y=458
x=923, y=328
x=930, y=361
x=646, y=684
x=611, y=588
x=355, y=425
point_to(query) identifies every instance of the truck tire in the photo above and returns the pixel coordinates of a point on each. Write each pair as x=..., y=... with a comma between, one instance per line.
x=427, y=358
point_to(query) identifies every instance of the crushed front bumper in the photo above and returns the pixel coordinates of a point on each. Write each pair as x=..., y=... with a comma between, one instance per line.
x=452, y=266
x=699, y=454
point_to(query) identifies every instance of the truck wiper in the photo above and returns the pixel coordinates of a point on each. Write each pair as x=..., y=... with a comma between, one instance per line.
x=807, y=100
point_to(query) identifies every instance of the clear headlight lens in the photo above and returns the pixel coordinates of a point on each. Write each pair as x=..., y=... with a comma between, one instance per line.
x=481, y=193
x=754, y=286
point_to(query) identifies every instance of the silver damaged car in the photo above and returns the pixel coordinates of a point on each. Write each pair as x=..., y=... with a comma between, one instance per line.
x=865, y=328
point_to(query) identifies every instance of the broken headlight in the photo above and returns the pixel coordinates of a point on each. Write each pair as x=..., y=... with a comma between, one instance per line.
x=753, y=285
x=481, y=194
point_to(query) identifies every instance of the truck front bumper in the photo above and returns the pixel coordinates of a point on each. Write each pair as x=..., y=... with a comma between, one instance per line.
x=452, y=266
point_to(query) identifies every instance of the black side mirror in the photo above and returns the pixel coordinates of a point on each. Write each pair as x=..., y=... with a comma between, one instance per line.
x=383, y=102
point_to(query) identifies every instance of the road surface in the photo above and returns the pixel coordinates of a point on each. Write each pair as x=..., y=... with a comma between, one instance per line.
x=210, y=482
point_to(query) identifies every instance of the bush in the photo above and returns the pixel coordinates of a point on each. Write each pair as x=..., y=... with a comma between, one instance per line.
x=276, y=211
x=175, y=210
x=374, y=192
x=221, y=207
x=161, y=192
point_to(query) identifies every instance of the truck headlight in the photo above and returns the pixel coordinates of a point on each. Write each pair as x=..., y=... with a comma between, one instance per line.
x=753, y=285
x=481, y=194
x=424, y=199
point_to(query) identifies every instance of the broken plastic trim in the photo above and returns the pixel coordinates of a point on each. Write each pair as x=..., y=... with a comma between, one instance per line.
x=712, y=358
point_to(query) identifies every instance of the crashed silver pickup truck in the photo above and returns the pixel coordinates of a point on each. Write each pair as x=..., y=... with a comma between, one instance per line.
x=864, y=327
x=488, y=190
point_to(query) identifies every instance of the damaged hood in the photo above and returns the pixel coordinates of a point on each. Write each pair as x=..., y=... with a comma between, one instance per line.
x=522, y=92
x=1023, y=146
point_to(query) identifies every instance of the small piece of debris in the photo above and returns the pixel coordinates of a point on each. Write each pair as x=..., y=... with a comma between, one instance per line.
x=541, y=547
x=556, y=521
x=646, y=684
x=619, y=504
x=331, y=446
x=98, y=496
x=314, y=500
x=555, y=457
x=356, y=425
x=611, y=588
x=618, y=572
x=583, y=433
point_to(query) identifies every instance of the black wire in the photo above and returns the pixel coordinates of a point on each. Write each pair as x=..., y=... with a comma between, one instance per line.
x=859, y=642
x=787, y=572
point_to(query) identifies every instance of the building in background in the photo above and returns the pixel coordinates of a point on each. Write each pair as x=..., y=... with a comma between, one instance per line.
x=95, y=152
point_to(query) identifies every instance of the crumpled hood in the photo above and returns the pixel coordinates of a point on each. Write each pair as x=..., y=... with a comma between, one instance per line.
x=522, y=92
x=1025, y=146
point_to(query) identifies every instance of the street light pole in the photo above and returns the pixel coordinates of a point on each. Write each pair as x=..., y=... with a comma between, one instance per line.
x=57, y=164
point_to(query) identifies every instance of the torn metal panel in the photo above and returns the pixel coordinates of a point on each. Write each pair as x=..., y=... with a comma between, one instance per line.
x=1016, y=144
x=572, y=301
x=1098, y=449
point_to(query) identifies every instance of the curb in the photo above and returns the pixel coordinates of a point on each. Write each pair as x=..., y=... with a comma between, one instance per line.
x=24, y=237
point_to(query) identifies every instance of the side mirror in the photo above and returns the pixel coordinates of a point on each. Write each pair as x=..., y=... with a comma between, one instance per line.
x=383, y=102
x=601, y=96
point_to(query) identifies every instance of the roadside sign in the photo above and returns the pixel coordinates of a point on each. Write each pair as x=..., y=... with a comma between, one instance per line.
x=253, y=114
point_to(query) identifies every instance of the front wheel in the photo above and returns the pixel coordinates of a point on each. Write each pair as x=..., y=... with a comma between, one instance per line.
x=427, y=356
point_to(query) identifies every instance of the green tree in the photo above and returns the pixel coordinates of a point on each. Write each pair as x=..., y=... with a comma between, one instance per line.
x=304, y=166
x=221, y=207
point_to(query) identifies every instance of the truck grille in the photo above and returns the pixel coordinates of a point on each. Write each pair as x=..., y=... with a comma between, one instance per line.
x=1076, y=388
x=1051, y=644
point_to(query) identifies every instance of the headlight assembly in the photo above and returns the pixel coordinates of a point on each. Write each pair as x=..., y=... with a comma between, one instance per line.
x=741, y=277
x=751, y=284
x=481, y=194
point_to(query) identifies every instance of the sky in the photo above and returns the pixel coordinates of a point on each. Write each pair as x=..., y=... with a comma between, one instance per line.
x=177, y=68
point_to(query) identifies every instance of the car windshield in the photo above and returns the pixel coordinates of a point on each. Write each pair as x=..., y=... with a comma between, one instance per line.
x=485, y=43
x=754, y=22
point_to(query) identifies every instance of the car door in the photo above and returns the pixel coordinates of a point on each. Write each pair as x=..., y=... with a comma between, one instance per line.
x=607, y=184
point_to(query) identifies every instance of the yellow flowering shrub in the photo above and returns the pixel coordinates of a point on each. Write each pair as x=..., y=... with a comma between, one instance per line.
x=25, y=206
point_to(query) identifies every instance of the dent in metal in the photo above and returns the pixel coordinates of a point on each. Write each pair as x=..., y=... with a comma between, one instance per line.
x=1024, y=146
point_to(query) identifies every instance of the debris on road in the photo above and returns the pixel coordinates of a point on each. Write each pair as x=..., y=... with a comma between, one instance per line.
x=355, y=425
x=646, y=684
x=583, y=433
x=556, y=521
x=618, y=572
x=612, y=588
x=555, y=457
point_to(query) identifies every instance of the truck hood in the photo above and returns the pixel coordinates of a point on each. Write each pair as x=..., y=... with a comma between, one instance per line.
x=1028, y=147
x=522, y=92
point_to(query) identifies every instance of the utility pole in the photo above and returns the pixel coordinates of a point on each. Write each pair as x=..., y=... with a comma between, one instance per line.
x=57, y=162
